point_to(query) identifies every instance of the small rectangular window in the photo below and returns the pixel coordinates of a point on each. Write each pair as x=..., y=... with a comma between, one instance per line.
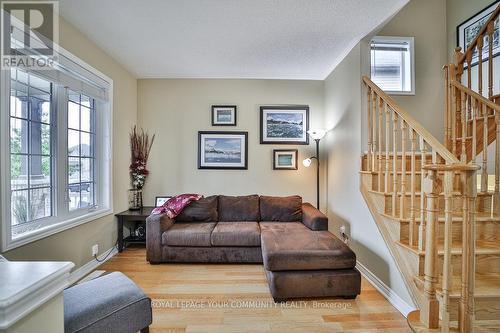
x=392, y=64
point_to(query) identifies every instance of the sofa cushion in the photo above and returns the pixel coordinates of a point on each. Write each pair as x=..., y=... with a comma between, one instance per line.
x=243, y=208
x=236, y=234
x=282, y=227
x=308, y=250
x=281, y=209
x=203, y=210
x=188, y=234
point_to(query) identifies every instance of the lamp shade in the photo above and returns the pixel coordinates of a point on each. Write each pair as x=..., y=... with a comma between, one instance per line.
x=317, y=134
x=307, y=162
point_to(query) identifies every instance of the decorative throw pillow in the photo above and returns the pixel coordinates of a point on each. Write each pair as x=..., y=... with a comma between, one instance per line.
x=175, y=205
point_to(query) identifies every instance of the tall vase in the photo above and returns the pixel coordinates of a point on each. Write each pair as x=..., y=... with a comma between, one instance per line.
x=134, y=199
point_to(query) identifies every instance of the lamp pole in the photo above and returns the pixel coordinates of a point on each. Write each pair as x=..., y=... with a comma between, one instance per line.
x=317, y=172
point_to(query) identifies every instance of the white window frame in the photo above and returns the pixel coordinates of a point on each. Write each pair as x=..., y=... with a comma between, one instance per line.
x=411, y=43
x=60, y=220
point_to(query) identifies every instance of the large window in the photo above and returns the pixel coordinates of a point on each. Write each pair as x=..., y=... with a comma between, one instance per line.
x=392, y=64
x=56, y=129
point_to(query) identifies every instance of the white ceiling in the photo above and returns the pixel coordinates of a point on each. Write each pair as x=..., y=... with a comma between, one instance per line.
x=272, y=39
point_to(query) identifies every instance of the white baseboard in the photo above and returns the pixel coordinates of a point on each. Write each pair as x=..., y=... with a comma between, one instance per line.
x=387, y=292
x=80, y=272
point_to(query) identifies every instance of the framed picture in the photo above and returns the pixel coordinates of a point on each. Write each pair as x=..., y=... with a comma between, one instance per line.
x=284, y=125
x=469, y=29
x=159, y=201
x=285, y=159
x=222, y=150
x=223, y=115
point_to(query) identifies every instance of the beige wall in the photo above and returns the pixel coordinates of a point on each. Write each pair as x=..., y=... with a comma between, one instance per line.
x=426, y=21
x=75, y=244
x=346, y=206
x=176, y=109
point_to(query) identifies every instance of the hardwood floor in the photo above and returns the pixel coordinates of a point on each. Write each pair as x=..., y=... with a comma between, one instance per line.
x=201, y=298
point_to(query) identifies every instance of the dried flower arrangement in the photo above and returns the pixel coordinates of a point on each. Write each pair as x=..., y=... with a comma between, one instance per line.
x=140, y=147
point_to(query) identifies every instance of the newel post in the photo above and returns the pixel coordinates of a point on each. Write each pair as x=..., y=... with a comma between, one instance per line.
x=466, y=305
x=429, y=314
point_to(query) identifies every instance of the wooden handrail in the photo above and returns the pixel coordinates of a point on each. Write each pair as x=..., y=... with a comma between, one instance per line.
x=483, y=100
x=481, y=32
x=414, y=124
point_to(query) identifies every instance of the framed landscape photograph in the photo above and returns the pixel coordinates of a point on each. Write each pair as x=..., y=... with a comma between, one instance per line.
x=469, y=29
x=284, y=125
x=285, y=159
x=222, y=150
x=223, y=115
x=160, y=200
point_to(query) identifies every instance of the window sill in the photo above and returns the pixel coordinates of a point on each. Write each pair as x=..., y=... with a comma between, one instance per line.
x=400, y=93
x=53, y=229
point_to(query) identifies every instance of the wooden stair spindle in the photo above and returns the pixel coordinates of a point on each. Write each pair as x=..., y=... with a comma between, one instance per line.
x=466, y=303
x=374, y=134
x=387, y=142
x=480, y=40
x=490, y=30
x=421, y=227
x=402, y=198
x=379, y=167
x=453, y=111
x=463, y=112
x=484, y=173
x=475, y=114
x=394, y=162
x=468, y=57
x=369, y=124
x=429, y=313
x=411, y=236
x=447, y=265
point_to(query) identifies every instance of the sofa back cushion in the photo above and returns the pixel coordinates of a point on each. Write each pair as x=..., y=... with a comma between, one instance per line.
x=281, y=209
x=203, y=210
x=238, y=209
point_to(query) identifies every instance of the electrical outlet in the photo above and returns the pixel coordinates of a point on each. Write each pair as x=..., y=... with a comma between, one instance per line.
x=95, y=249
x=342, y=229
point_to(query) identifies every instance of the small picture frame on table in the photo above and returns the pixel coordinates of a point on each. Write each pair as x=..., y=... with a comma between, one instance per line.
x=160, y=200
x=285, y=159
x=223, y=115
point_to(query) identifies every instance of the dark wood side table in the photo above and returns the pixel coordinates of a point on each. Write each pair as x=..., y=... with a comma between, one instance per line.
x=131, y=216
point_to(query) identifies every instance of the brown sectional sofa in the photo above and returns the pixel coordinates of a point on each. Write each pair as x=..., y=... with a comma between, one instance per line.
x=301, y=257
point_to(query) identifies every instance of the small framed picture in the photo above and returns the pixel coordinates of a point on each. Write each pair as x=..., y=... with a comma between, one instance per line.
x=223, y=115
x=285, y=159
x=468, y=30
x=284, y=125
x=159, y=201
x=222, y=150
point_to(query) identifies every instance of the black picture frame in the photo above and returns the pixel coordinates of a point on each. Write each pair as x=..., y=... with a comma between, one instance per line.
x=203, y=164
x=214, y=117
x=481, y=15
x=277, y=152
x=304, y=140
x=160, y=197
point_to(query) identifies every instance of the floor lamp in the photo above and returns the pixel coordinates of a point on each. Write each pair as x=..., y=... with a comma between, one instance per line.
x=317, y=135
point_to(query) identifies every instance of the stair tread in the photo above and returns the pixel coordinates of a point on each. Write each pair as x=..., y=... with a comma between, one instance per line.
x=486, y=286
x=482, y=247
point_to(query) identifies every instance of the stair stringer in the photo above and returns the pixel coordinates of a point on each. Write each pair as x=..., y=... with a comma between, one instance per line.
x=390, y=237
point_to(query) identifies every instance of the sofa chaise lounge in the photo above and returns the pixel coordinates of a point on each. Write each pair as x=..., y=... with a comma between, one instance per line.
x=300, y=256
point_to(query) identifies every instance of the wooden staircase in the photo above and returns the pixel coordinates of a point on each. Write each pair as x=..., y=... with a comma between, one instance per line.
x=435, y=204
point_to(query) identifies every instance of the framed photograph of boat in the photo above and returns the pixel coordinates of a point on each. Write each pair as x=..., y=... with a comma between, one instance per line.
x=222, y=150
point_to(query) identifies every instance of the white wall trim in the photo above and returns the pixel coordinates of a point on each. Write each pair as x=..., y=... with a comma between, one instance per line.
x=51, y=283
x=393, y=298
x=82, y=271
